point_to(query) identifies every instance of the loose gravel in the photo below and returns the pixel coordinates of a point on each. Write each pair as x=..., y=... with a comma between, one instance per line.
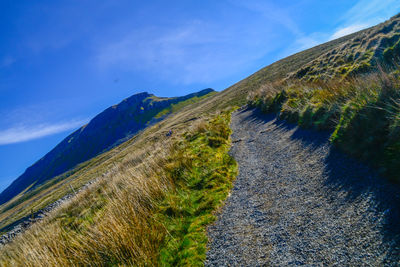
x=298, y=201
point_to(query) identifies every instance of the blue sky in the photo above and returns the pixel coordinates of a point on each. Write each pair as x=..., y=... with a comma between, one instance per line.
x=62, y=62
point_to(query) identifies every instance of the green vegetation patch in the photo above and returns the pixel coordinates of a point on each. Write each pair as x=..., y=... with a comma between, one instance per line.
x=153, y=211
x=202, y=172
x=180, y=105
x=390, y=54
x=363, y=114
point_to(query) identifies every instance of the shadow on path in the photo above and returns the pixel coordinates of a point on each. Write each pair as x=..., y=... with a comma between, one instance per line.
x=361, y=180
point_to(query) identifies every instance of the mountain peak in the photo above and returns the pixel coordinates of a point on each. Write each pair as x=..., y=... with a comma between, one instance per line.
x=115, y=123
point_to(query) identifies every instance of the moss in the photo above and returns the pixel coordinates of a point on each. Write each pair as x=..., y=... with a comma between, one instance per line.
x=392, y=53
x=362, y=67
x=203, y=172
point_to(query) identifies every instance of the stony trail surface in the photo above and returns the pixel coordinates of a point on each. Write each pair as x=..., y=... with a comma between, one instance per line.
x=298, y=201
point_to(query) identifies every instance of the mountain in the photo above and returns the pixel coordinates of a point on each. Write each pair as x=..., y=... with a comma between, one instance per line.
x=135, y=216
x=109, y=128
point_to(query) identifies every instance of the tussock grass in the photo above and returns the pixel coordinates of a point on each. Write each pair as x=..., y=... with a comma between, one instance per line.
x=65, y=234
x=150, y=209
x=360, y=54
x=235, y=95
x=108, y=224
x=362, y=113
x=50, y=191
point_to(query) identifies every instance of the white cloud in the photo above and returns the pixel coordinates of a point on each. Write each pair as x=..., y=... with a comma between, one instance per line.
x=271, y=12
x=348, y=30
x=370, y=12
x=196, y=51
x=304, y=42
x=200, y=50
x=364, y=14
x=22, y=133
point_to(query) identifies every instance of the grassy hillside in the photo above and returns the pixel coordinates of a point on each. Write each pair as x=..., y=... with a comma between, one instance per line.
x=37, y=197
x=113, y=221
x=362, y=113
x=352, y=90
x=154, y=212
x=103, y=132
x=362, y=53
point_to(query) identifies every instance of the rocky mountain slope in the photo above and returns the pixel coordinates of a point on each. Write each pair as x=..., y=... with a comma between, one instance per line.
x=112, y=126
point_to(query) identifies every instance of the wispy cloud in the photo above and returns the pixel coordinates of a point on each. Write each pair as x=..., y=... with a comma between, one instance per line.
x=204, y=50
x=304, y=42
x=370, y=12
x=198, y=51
x=271, y=12
x=363, y=14
x=348, y=30
x=22, y=133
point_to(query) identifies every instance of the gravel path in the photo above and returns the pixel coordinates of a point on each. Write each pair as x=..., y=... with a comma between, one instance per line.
x=298, y=201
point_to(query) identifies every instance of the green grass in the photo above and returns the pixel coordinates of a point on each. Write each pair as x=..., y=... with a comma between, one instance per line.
x=233, y=96
x=391, y=53
x=202, y=172
x=151, y=210
x=321, y=109
x=360, y=54
x=178, y=106
x=363, y=114
x=57, y=187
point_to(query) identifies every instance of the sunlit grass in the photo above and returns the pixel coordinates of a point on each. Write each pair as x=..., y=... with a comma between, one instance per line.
x=362, y=113
x=202, y=172
x=152, y=208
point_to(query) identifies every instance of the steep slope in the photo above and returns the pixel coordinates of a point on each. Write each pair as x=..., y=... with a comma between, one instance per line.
x=232, y=96
x=102, y=132
x=133, y=163
x=375, y=46
x=353, y=91
x=316, y=59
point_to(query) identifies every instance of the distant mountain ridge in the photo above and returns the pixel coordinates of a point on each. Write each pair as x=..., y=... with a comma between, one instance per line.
x=102, y=133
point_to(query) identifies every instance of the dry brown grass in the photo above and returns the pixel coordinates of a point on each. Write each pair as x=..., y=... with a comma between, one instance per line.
x=119, y=228
x=233, y=96
x=121, y=232
x=118, y=220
